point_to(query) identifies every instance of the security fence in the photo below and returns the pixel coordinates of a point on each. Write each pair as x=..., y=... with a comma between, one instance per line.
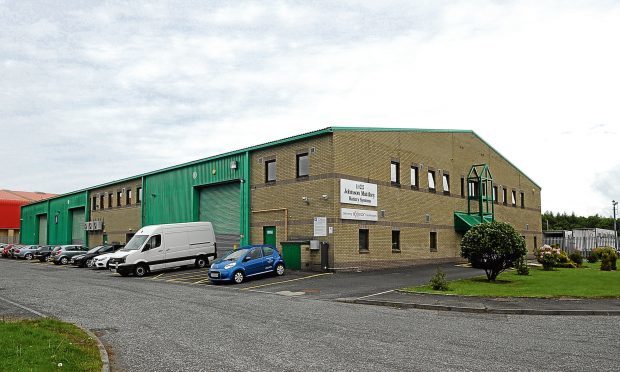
x=583, y=244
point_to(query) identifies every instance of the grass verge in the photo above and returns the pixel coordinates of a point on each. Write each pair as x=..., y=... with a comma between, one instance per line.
x=585, y=282
x=46, y=345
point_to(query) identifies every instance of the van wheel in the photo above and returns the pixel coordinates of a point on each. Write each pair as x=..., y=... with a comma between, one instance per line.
x=202, y=262
x=279, y=269
x=238, y=277
x=140, y=271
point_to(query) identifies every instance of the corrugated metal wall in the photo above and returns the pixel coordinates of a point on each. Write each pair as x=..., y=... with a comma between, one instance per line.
x=30, y=223
x=173, y=196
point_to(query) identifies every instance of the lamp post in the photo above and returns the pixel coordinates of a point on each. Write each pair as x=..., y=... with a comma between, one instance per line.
x=615, y=205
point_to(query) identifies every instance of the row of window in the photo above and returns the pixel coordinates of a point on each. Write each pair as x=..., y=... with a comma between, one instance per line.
x=302, y=167
x=365, y=248
x=99, y=202
x=432, y=187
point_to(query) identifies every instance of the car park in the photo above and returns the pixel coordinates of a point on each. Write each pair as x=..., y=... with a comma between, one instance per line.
x=25, y=252
x=63, y=255
x=158, y=247
x=43, y=253
x=247, y=262
x=87, y=259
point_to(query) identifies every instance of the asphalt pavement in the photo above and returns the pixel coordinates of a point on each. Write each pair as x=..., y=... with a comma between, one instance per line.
x=161, y=325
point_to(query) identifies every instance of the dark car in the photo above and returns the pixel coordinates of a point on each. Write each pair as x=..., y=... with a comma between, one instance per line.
x=63, y=255
x=43, y=253
x=86, y=259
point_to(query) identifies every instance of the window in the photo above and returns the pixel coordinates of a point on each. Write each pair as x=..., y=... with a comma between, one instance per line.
x=254, y=254
x=303, y=165
x=395, y=172
x=128, y=194
x=110, y=200
x=270, y=171
x=504, y=196
x=431, y=180
x=395, y=241
x=119, y=196
x=494, y=194
x=462, y=187
x=139, y=195
x=415, y=177
x=446, y=184
x=363, y=239
x=101, y=201
x=535, y=243
x=267, y=251
x=513, y=195
x=155, y=241
x=473, y=189
x=94, y=203
x=433, y=241
x=522, y=200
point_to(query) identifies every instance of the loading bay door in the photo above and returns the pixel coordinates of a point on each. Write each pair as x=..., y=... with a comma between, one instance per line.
x=42, y=229
x=221, y=205
x=77, y=226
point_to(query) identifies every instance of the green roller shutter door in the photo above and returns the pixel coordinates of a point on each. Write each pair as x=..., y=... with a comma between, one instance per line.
x=221, y=205
x=77, y=226
x=43, y=229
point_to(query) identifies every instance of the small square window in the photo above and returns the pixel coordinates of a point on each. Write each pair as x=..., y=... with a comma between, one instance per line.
x=522, y=200
x=395, y=241
x=505, y=196
x=270, y=171
x=395, y=172
x=513, y=199
x=128, y=194
x=101, y=201
x=431, y=180
x=110, y=205
x=415, y=177
x=303, y=165
x=119, y=196
x=433, y=241
x=363, y=240
x=446, y=184
x=94, y=203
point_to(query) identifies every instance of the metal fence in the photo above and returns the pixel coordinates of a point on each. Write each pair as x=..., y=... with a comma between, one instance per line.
x=582, y=244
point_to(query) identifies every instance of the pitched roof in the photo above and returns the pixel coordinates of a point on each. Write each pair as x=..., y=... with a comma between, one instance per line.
x=25, y=196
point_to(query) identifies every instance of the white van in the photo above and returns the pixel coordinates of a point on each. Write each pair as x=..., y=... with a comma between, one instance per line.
x=158, y=247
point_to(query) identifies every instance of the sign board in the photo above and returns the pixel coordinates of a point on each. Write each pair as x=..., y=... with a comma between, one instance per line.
x=320, y=226
x=358, y=214
x=360, y=193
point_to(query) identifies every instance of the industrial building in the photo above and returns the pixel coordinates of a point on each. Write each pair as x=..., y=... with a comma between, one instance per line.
x=10, y=209
x=332, y=198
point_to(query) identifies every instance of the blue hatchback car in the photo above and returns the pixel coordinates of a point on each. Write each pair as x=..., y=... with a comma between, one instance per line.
x=246, y=262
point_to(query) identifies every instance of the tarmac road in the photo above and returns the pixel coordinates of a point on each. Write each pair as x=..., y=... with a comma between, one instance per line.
x=162, y=326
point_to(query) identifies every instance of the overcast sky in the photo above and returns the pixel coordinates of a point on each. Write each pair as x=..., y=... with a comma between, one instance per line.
x=93, y=91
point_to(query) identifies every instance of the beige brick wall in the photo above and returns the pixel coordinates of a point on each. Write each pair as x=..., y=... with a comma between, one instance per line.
x=366, y=156
x=117, y=221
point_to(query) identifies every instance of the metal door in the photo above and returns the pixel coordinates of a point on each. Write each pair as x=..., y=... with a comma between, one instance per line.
x=221, y=205
x=77, y=226
x=43, y=229
x=269, y=235
x=291, y=253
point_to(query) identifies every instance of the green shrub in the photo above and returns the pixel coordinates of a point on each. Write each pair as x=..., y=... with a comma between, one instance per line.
x=522, y=268
x=595, y=255
x=608, y=259
x=577, y=258
x=493, y=247
x=438, y=282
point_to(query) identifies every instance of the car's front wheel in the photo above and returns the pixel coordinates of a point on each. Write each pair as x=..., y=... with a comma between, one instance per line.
x=89, y=263
x=140, y=271
x=279, y=269
x=238, y=277
x=28, y=256
x=64, y=261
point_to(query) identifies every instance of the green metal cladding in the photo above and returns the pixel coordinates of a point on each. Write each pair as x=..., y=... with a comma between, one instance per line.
x=173, y=196
x=59, y=214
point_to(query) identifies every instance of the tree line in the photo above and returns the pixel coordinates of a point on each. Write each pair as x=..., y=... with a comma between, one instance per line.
x=571, y=221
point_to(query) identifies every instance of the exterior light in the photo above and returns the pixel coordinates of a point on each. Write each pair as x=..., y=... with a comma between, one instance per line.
x=325, y=196
x=233, y=164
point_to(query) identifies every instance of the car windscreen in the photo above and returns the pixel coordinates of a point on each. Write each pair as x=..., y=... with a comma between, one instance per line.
x=235, y=255
x=93, y=250
x=135, y=243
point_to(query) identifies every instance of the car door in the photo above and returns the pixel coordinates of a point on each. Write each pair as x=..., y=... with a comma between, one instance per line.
x=254, y=262
x=268, y=258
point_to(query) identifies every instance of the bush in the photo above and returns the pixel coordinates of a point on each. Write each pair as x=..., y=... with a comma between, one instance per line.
x=522, y=268
x=549, y=257
x=595, y=255
x=493, y=247
x=608, y=259
x=438, y=281
x=577, y=258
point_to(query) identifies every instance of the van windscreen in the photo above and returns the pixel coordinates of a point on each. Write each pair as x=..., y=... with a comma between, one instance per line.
x=135, y=243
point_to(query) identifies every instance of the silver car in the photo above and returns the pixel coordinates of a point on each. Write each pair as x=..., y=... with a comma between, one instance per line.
x=25, y=252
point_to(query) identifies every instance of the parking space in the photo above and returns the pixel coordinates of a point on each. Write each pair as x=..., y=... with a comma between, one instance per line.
x=321, y=286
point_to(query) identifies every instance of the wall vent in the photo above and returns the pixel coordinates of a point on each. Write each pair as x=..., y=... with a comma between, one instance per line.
x=312, y=150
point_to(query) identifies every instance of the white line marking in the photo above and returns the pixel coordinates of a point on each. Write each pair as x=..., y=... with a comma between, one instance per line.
x=376, y=294
x=23, y=307
x=285, y=281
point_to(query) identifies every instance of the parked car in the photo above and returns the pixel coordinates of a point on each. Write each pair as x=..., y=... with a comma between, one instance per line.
x=247, y=262
x=43, y=253
x=103, y=261
x=12, y=250
x=6, y=250
x=86, y=259
x=26, y=252
x=160, y=247
x=63, y=255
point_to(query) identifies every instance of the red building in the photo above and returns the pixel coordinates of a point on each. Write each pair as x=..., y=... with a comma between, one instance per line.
x=10, y=209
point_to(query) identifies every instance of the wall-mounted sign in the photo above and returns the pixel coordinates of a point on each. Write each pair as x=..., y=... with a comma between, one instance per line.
x=320, y=226
x=358, y=214
x=360, y=193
